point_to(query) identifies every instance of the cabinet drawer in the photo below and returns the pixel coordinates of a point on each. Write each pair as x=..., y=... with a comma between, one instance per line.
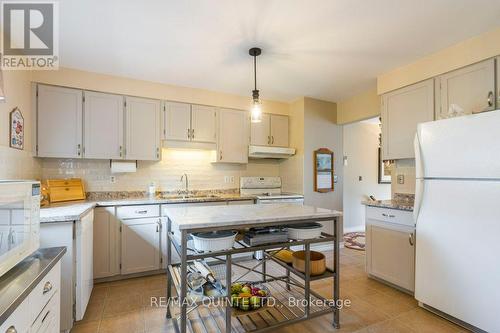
x=44, y=291
x=140, y=211
x=19, y=319
x=48, y=320
x=64, y=182
x=164, y=208
x=390, y=215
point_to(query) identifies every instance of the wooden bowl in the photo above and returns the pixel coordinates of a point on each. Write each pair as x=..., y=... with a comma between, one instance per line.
x=317, y=263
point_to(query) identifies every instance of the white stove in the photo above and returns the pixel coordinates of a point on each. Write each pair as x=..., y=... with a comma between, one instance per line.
x=268, y=190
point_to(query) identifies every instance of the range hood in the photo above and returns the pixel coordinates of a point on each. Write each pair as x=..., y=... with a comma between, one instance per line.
x=270, y=152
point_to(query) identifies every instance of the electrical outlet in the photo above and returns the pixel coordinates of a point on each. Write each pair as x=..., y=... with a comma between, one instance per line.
x=401, y=179
x=112, y=179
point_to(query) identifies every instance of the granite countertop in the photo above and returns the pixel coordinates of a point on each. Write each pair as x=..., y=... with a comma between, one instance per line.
x=392, y=204
x=189, y=218
x=74, y=211
x=17, y=283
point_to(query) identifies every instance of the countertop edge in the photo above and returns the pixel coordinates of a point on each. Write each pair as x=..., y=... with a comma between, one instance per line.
x=389, y=205
x=17, y=301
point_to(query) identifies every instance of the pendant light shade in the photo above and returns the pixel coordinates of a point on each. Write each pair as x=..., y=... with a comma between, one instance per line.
x=256, y=110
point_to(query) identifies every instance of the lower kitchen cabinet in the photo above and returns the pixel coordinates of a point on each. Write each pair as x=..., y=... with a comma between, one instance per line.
x=106, y=243
x=140, y=245
x=390, y=249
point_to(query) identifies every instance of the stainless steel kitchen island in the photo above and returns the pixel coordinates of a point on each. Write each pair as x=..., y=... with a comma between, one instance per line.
x=196, y=316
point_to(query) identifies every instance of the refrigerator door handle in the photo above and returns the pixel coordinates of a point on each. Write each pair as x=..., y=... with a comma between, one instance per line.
x=419, y=191
x=419, y=173
x=419, y=165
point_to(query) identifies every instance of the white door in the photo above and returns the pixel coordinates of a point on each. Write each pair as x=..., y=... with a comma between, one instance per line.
x=143, y=129
x=103, y=130
x=457, y=250
x=402, y=111
x=467, y=90
x=177, y=121
x=84, y=263
x=233, y=136
x=140, y=245
x=279, y=130
x=391, y=253
x=59, y=122
x=106, y=243
x=203, y=123
x=260, y=133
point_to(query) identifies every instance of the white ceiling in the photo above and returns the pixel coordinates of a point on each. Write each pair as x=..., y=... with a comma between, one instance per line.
x=327, y=49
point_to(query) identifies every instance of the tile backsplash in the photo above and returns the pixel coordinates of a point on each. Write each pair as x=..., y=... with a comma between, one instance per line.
x=166, y=174
x=406, y=169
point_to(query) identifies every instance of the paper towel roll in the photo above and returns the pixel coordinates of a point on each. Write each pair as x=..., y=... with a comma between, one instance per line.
x=123, y=166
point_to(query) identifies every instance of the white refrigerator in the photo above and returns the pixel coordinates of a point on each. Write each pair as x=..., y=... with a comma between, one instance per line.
x=457, y=215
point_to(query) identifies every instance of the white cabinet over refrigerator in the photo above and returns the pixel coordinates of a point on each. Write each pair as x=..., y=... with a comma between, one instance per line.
x=457, y=215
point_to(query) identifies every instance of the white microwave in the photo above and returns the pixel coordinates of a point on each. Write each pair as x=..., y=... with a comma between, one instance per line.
x=19, y=221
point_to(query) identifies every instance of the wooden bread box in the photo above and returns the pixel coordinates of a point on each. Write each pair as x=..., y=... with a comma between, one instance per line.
x=65, y=189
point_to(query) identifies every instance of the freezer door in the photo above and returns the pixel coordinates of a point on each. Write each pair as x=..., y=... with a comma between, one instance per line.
x=462, y=147
x=457, y=248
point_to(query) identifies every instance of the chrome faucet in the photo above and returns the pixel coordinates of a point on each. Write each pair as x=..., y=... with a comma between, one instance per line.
x=185, y=176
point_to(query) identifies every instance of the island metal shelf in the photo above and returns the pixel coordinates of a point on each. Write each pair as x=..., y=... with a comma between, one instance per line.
x=220, y=317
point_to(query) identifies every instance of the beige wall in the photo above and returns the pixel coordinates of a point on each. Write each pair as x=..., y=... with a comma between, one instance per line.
x=122, y=85
x=362, y=106
x=361, y=149
x=17, y=164
x=459, y=55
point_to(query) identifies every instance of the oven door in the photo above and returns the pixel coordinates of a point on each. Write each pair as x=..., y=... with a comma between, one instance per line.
x=18, y=223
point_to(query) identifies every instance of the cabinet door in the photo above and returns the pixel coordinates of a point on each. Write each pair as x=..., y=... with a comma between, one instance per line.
x=103, y=130
x=106, y=241
x=391, y=254
x=203, y=123
x=260, y=133
x=59, y=122
x=140, y=245
x=143, y=129
x=402, y=111
x=498, y=82
x=233, y=136
x=279, y=130
x=467, y=90
x=177, y=121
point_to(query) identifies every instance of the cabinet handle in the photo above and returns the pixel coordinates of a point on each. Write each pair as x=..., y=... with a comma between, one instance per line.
x=490, y=99
x=157, y=152
x=45, y=317
x=388, y=215
x=189, y=134
x=157, y=228
x=272, y=138
x=141, y=211
x=121, y=151
x=220, y=156
x=268, y=139
x=192, y=133
x=11, y=329
x=410, y=239
x=79, y=149
x=47, y=287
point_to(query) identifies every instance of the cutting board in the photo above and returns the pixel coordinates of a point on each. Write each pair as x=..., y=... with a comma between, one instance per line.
x=65, y=189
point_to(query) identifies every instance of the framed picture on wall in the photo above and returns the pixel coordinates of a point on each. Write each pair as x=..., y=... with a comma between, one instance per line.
x=16, y=132
x=384, y=169
x=323, y=170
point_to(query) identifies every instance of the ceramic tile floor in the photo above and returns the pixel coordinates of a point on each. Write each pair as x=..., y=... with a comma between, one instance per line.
x=124, y=306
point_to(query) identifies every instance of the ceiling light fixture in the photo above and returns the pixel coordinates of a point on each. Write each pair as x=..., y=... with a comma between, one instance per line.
x=256, y=111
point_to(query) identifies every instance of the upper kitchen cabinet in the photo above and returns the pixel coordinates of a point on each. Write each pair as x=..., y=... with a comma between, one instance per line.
x=142, y=129
x=466, y=90
x=232, y=145
x=103, y=129
x=402, y=110
x=191, y=123
x=203, y=123
x=260, y=132
x=177, y=121
x=59, y=122
x=271, y=131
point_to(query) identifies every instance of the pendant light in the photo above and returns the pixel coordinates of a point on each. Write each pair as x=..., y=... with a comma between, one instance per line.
x=256, y=111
